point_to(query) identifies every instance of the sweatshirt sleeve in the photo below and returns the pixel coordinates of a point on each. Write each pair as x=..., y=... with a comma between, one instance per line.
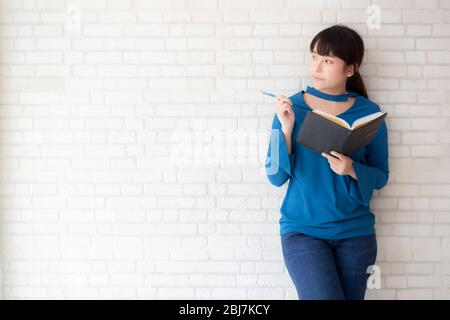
x=279, y=164
x=374, y=172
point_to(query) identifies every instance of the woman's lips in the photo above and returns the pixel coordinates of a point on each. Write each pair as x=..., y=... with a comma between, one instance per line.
x=315, y=78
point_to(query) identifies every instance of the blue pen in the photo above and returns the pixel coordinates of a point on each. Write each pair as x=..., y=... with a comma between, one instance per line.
x=268, y=94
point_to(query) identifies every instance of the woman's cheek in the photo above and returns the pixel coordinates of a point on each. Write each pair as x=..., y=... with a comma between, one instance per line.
x=332, y=72
x=333, y=75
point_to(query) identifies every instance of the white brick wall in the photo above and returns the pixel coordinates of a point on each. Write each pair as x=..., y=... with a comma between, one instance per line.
x=93, y=205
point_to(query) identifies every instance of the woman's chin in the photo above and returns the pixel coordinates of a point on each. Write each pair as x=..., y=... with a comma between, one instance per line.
x=318, y=84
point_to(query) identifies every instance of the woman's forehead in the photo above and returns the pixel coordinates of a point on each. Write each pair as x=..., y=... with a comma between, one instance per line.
x=315, y=50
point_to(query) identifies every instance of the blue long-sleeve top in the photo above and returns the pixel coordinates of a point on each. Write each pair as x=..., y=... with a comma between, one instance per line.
x=318, y=201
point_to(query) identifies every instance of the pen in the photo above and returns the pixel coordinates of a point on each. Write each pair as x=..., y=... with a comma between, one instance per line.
x=268, y=94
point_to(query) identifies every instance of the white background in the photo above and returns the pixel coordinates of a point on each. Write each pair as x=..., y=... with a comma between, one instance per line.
x=93, y=204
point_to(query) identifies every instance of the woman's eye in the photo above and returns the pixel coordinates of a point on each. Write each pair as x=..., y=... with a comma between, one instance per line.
x=328, y=61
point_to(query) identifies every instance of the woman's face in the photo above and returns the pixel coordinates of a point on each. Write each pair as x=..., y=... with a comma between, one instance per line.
x=328, y=72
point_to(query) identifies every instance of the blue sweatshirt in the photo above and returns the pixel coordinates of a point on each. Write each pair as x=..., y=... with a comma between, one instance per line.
x=318, y=201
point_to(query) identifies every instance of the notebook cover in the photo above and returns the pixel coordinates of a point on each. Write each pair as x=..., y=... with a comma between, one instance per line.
x=323, y=135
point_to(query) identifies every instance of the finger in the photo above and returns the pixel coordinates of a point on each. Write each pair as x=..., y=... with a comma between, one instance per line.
x=286, y=107
x=333, y=162
x=334, y=158
x=325, y=155
x=286, y=110
x=338, y=155
x=281, y=102
x=283, y=99
x=280, y=98
x=330, y=159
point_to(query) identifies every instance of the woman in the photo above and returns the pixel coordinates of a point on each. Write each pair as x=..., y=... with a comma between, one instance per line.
x=326, y=226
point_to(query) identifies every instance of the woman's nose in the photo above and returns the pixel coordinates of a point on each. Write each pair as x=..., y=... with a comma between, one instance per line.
x=319, y=66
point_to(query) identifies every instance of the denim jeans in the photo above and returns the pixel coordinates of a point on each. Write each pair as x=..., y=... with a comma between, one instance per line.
x=324, y=269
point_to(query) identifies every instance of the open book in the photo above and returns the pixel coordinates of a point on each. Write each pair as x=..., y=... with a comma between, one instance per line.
x=356, y=124
x=323, y=132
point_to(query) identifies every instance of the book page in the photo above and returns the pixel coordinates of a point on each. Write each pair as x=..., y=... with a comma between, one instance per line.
x=363, y=120
x=332, y=118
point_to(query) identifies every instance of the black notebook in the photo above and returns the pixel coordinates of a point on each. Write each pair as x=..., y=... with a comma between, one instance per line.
x=323, y=132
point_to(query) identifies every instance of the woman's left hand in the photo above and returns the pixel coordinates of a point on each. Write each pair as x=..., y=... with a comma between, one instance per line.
x=340, y=164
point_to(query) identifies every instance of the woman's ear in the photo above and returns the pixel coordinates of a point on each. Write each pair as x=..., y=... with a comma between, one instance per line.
x=351, y=70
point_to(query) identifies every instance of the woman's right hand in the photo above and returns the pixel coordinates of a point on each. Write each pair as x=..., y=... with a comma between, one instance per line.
x=285, y=113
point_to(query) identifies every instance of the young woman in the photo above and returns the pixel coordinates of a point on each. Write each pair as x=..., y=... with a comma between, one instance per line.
x=326, y=226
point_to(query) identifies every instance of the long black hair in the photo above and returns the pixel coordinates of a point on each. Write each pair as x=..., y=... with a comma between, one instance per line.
x=345, y=43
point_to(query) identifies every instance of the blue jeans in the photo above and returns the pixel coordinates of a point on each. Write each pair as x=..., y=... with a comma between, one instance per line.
x=324, y=269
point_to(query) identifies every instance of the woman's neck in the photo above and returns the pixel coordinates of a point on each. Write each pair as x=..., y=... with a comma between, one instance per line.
x=334, y=91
